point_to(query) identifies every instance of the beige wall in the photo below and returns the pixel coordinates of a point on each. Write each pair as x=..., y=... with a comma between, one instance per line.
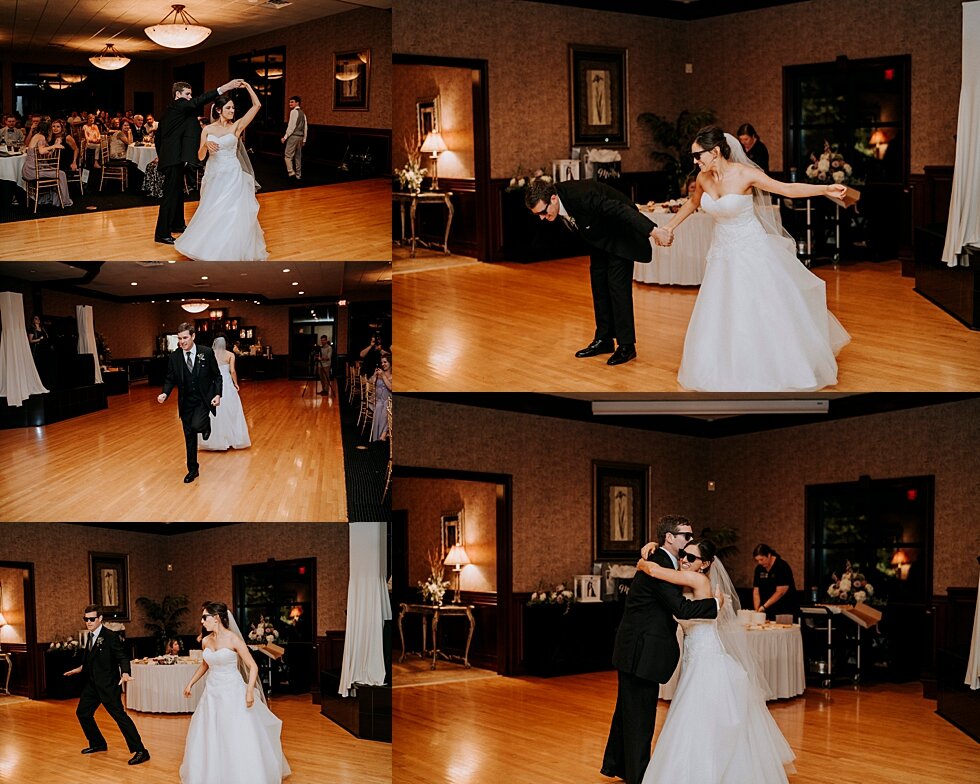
x=12, y=606
x=760, y=478
x=202, y=566
x=426, y=501
x=737, y=64
x=129, y=330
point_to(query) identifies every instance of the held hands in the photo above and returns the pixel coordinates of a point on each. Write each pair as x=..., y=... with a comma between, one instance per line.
x=837, y=191
x=662, y=236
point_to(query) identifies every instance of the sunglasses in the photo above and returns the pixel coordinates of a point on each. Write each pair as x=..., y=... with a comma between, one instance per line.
x=205, y=617
x=688, y=534
x=541, y=213
x=93, y=619
x=690, y=557
x=697, y=155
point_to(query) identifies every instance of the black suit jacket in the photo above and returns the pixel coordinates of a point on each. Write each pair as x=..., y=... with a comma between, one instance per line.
x=104, y=664
x=179, y=133
x=206, y=378
x=646, y=642
x=607, y=219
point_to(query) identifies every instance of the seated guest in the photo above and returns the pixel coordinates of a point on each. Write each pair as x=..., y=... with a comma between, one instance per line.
x=754, y=148
x=119, y=141
x=75, y=119
x=151, y=124
x=773, y=588
x=31, y=126
x=93, y=144
x=11, y=135
x=39, y=144
x=139, y=129
x=70, y=156
x=172, y=648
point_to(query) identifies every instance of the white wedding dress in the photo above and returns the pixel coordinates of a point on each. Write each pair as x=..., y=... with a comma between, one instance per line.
x=227, y=742
x=760, y=322
x=225, y=226
x=718, y=729
x=228, y=427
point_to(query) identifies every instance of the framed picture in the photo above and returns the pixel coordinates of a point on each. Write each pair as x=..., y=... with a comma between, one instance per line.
x=427, y=115
x=109, y=584
x=452, y=531
x=588, y=588
x=619, y=510
x=599, y=100
x=352, y=71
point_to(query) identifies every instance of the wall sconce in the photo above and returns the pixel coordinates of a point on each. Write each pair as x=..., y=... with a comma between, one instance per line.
x=457, y=558
x=434, y=144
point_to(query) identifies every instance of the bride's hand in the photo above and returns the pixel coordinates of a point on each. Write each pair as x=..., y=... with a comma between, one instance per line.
x=249, y=699
x=649, y=567
x=213, y=146
x=648, y=548
x=187, y=691
x=720, y=597
x=837, y=191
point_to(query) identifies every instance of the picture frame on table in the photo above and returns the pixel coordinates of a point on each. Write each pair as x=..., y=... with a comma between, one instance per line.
x=352, y=74
x=599, y=95
x=620, y=508
x=588, y=588
x=109, y=584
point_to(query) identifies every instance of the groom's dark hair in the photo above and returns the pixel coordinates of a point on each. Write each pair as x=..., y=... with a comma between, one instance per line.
x=668, y=524
x=178, y=86
x=186, y=327
x=97, y=609
x=539, y=190
x=295, y=98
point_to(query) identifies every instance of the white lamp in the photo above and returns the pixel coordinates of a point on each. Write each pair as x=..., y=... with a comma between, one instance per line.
x=457, y=558
x=434, y=144
x=109, y=59
x=182, y=32
x=195, y=307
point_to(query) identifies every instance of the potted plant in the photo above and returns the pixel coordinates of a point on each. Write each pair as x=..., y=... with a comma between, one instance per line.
x=163, y=619
x=672, y=142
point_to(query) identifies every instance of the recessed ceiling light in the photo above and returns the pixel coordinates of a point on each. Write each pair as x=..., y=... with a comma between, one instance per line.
x=204, y=277
x=172, y=262
x=286, y=270
x=134, y=283
x=295, y=282
x=300, y=292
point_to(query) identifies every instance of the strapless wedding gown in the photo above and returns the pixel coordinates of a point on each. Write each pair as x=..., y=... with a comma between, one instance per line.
x=227, y=742
x=228, y=427
x=718, y=729
x=225, y=226
x=760, y=322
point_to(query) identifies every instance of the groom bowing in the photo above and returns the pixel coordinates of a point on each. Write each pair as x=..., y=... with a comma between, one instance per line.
x=177, y=139
x=104, y=669
x=194, y=371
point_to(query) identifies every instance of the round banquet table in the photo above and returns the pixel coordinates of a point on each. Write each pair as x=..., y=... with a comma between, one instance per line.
x=778, y=649
x=141, y=156
x=12, y=167
x=683, y=263
x=159, y=688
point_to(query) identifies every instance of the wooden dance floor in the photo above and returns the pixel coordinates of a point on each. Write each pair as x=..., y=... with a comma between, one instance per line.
x=343, y=222
x=515, y=327
x=127, y=463
x=554, y=730
x=42, y=741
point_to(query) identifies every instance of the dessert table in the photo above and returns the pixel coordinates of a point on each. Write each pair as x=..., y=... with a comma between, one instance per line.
x=159, y=688
x=142, y=156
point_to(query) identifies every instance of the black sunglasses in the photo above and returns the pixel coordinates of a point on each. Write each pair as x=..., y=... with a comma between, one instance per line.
x=688, y=534
x=691, y=558
x=205, y=617
x=92, y=619
x=541, y=212
x=697, y=155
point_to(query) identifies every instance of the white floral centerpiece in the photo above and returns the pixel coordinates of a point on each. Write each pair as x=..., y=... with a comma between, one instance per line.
x=433, y=588
x=851, y=586
x=412, y=173
x=263, y=632
x=559, y=595
x=523, y=178
x=68, y=644
x=830, y=167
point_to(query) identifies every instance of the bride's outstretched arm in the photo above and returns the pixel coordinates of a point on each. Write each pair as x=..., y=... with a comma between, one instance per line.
x=689, y=207
x=250, y=114
x=794, y=190
x=197, y=676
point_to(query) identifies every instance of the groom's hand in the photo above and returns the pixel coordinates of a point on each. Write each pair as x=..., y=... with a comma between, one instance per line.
x=662, y=236
x=216, y=401
x=126, y=678
x=76, y=671
x=161, y=398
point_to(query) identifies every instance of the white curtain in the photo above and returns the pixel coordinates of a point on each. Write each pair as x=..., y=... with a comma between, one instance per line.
x=368, y=607
x=18, y=374
x=86, y=337
x=963, y=227
x=973, y=663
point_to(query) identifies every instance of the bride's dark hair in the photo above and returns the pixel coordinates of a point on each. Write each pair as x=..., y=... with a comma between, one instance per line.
x=707, y=549
x=218, y=105
x=712, y=136
x=219, y=609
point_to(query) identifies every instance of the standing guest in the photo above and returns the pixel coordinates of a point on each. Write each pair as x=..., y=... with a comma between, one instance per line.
x=93, y=144
x=323, y=364
x=75, y=119
x=11, y=134
x=371, y=356
x=295, y=138
x=151, y=124
x=38, y=336
x=382, y=392
x=237, y=349
x=104, y=669
x=773, y=588
x=757, y=152
x=172, y=648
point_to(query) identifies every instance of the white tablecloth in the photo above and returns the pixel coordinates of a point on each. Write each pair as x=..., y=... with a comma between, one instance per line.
x=779, y=653
x=141, y=156
x=11, y=168
x=682, y=264
x=159, y=688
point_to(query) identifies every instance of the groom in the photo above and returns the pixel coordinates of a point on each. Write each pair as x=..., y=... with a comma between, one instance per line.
x=177, y=140
x=618, y=235
x=194, y=371
x=646, y=653
x=104, y=660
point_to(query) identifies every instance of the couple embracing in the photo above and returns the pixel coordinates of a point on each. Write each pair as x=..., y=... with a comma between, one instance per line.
x=718, y=729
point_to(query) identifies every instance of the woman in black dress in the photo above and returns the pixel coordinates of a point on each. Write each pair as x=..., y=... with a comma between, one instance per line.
x=757, y=152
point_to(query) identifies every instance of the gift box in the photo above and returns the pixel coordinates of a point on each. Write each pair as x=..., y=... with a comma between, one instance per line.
x=863, y=615
x=271, y=650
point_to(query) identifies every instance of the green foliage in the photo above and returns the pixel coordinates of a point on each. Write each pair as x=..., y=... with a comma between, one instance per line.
x=672, y=142
x=163, y=618
x=725, y=538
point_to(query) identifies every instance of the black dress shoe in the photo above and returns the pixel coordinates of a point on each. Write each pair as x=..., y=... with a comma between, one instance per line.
x=623, y=353
x=94, y=749
x=596, y=347
x=164, y=240
x=191, y=476
x=206, y=435
x=612, y=774
x=140, y=756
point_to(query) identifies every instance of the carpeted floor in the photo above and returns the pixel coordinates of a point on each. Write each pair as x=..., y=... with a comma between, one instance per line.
x=270, y=172
x=417, y=672
x=365, y=469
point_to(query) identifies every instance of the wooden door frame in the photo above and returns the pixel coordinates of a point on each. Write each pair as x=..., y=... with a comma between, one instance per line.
x=34, y=666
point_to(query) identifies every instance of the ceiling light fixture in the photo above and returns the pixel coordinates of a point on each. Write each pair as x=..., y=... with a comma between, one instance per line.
x=109, y=59
x=709, y=407
x=181, y=33
x=195, y=307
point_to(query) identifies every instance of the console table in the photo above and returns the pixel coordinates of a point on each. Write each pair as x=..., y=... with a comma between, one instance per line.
x=10, y=667
x=435, y=611
x=413, y=200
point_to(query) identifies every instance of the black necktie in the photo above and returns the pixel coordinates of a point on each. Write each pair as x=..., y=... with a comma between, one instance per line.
x=91, y=643
x=569, y=222
x=190, y=364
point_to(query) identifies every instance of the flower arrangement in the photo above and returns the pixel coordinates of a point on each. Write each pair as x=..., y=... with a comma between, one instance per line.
x=830, y=167
x=851, y=586
x=434, y=587
x=263, y=632
x=412, y=173
x=558, y=595
x=523, y=178
x=68, y=644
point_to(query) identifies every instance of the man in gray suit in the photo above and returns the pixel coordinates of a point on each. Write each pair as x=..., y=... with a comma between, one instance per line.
x=295, y=138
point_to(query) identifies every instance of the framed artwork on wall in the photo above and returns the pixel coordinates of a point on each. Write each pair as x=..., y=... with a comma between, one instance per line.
x=352, y=72
x=599, y=96
x=619, y=510
x=109, y=584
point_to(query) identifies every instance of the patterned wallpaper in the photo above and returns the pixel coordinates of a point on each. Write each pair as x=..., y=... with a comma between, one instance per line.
x=737, y=64
x=201, y=566
x=426, y=501
x=760, y=478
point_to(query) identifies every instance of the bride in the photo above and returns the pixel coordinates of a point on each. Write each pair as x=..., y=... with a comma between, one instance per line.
x=225, y=226
x=232, y=737
x=718, y=729
x=760, y=322
x=228, y=427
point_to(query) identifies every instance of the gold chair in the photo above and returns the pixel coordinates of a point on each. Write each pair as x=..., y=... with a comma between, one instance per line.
x=391, y=450
x=370, y=395
x=355, y=382
x=113, y=168
x=47, y=176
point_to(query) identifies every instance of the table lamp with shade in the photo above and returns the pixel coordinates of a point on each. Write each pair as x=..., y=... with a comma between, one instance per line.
x=434, y=144
x=457, y=558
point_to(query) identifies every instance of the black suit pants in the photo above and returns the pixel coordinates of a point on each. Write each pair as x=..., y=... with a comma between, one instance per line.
x=612, y=297
x=111, y=700
x=171, y=215
x=631, y=732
